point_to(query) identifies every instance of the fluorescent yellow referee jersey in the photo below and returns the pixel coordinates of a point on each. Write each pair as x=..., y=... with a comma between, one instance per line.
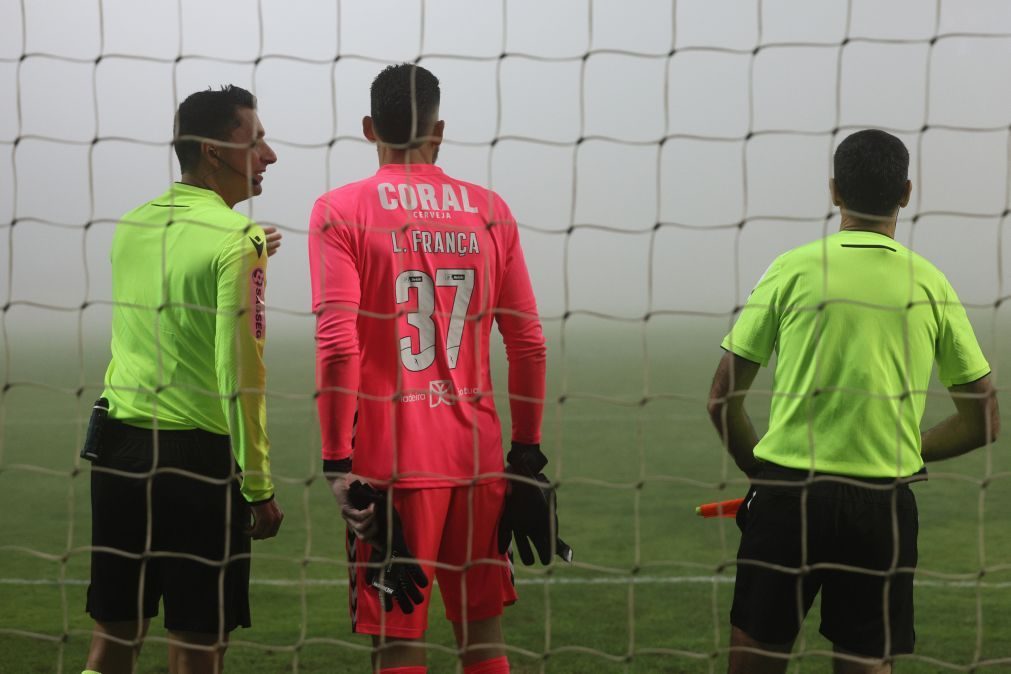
x=188, y=282
x=857, y=321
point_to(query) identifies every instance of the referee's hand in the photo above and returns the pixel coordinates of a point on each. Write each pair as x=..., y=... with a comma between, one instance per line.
x=267, y=518
x=273, y=239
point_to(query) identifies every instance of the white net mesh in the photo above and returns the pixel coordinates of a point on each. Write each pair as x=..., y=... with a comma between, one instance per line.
x=657, y=157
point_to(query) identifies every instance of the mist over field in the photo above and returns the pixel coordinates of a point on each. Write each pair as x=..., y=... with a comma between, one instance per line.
x=657, y=155
x=749, y=135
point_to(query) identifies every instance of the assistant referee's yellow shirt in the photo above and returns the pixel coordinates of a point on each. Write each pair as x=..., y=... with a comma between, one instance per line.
x=188, y=282
x=857, y=321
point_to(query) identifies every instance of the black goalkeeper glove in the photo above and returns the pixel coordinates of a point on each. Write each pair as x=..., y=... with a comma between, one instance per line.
x=394, y=579
x=530, y=509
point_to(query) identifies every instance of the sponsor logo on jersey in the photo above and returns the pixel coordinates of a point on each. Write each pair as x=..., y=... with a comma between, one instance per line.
x=413, y=397
x=439, y=391
x=257, y=244
x=257, y=284
x=425, y=201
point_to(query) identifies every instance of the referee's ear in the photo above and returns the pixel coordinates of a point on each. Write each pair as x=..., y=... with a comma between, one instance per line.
x=209, y=155
x=907, y=191
x=834, y=191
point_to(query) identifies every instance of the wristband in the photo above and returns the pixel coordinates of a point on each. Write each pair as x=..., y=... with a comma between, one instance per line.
x=527, y=457
x=331, y=467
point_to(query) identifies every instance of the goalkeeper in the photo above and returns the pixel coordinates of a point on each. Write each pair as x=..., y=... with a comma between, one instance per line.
x=185, y=398
x=857, y=321
x=409, y=268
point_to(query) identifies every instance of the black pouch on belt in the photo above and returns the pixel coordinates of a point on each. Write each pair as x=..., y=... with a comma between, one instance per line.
x=93, y=440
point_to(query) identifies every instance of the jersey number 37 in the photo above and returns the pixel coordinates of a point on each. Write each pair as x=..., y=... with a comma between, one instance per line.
x=463, y=281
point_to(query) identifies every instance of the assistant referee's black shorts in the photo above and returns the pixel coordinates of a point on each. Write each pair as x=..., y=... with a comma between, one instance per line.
x=198, y=557
x=869, y=529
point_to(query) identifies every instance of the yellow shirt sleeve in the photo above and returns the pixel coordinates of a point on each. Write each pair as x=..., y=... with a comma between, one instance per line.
x=959, y=357
x=754, y=334
x=238, y=346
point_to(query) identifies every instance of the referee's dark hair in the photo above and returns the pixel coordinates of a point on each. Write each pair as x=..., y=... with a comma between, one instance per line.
x=871, y=170
x=208, y=114
x=405, y=102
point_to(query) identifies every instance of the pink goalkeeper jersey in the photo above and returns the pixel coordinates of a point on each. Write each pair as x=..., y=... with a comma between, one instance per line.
x=409, y=269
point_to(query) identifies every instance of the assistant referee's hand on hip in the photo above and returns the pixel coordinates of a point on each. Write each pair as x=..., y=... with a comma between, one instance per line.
x=267, y=517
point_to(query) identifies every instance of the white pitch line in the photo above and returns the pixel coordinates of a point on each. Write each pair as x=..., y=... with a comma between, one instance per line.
x=554, y=580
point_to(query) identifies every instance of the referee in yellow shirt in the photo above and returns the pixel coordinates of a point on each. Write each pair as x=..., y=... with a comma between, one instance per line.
x=857, y=322
x=181, y=477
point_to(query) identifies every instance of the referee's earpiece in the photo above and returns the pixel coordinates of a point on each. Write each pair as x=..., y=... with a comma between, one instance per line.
x=221, y=160
x=217, y=155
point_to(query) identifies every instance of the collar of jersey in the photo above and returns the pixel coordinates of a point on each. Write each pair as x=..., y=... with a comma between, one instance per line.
x=411, y=169
x=865, y=233
x=180, y=192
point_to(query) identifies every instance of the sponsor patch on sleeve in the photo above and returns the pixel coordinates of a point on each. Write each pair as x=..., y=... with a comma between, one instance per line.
x=258, y=318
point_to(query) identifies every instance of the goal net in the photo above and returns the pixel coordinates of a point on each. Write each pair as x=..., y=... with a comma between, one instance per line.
x=657, y=156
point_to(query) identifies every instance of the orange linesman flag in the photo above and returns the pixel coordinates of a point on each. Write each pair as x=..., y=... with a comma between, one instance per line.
x=721, y=509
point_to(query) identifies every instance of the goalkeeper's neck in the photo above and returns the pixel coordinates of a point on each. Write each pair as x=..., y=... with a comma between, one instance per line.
x=425, y=154
x=421, y=149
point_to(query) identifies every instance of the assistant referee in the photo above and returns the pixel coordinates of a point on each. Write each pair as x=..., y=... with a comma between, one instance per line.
x=181, y=481
x=857, y=321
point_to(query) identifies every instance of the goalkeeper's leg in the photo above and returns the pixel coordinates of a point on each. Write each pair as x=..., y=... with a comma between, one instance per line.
x=392, y=653
x=477, y=581
x=398, y=638
x=482, y=646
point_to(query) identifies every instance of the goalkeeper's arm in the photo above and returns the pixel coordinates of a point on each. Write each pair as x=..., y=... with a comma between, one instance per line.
x=529, y=509
x=520, y=325
x=336, y=294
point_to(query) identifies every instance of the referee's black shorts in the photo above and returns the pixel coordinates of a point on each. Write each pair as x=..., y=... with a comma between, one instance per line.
x=176, y=535
x=860, y=554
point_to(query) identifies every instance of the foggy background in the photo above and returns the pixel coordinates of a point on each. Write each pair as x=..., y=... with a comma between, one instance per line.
x=682, y=122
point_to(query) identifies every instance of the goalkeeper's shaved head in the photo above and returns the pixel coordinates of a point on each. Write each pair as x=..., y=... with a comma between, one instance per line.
x=405, y=104
x=871, y=170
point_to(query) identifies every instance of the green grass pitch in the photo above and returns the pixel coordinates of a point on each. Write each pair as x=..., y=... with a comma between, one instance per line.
x=651, y=586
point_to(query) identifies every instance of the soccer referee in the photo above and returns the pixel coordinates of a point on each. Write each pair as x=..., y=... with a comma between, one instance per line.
x=181, y=475
x=857, y=321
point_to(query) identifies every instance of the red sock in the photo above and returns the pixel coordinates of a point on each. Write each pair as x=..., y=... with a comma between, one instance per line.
x=499, y=665
x=415, y=669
